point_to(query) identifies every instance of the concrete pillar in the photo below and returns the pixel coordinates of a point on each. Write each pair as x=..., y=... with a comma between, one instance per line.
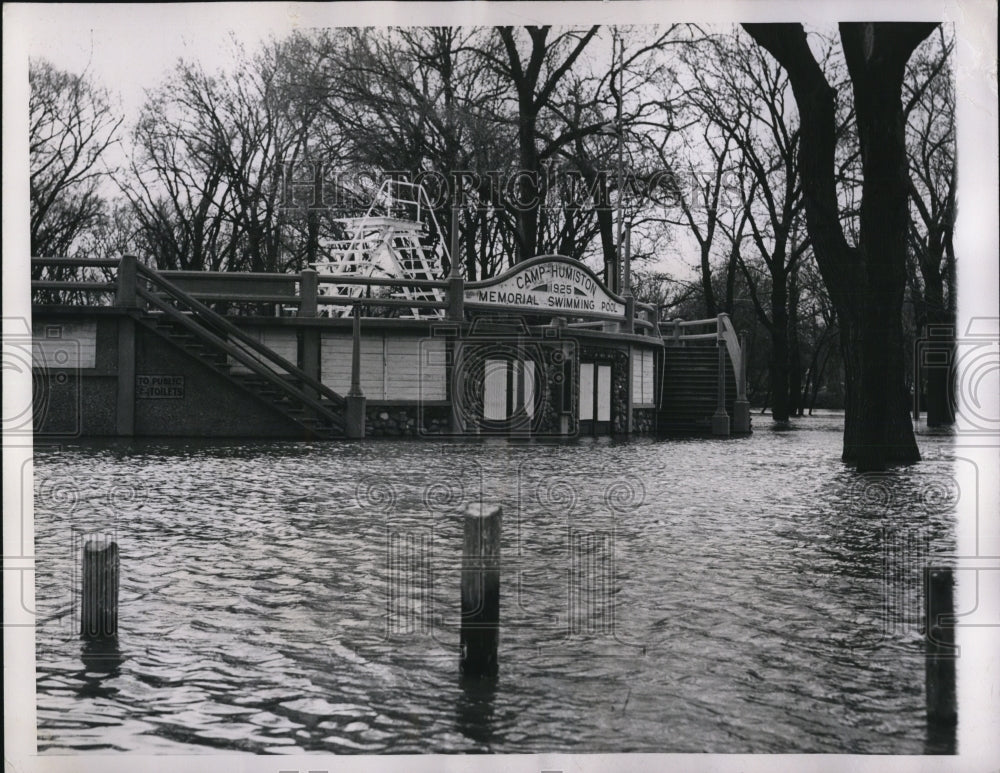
x=308, y=308
x=741, y=408
x=456, y=298
x=308, y=292
x=126, y=297
x=720, y=419
x=125, y=396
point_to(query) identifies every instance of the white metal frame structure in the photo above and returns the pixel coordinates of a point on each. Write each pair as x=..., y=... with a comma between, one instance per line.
x=386, y=245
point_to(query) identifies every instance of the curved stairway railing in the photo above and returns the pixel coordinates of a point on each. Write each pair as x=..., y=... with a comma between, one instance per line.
x=718, y=328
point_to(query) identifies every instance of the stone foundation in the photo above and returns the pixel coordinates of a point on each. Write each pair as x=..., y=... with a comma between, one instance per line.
x=403, y=421
x=643, y=421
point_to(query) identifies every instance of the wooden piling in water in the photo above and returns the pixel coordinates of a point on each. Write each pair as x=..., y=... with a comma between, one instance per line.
x=939, y=605
x=480, y=631
x=99, y=594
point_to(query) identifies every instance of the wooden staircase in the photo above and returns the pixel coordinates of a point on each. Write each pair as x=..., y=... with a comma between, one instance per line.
x=220, y=346
x=689, y=394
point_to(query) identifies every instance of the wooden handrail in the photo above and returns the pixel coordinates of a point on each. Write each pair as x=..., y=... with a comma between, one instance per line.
x=76, y=262
x=403, y=303
x=226, y=275
x=221, y=323
x=438, y=284
x=73, y=285
x=287, y=300
x=700, y=337
x=241, y=355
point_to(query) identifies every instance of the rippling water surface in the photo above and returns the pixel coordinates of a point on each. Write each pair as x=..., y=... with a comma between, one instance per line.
x=749, y=595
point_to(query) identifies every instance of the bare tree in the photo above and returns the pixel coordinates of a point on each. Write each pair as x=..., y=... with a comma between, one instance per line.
x=534, y=71
x=930, y=139
x=71, y=126
x=211, y=154
x=865, y=280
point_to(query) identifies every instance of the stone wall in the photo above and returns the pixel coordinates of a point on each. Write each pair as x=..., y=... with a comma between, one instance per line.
x=643, y=421
x=404, y=420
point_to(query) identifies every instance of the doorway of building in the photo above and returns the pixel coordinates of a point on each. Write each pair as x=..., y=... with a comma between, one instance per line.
x=595, y=399
x=509, y=394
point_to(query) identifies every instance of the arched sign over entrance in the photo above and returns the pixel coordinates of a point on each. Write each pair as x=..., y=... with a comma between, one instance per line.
x=548, y=284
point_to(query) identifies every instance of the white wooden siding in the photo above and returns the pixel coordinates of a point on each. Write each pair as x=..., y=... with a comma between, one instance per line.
x=495, y=388
x=603, y=393
x=392, y=367
x=281, y=341
x=335, y=364
x=528, y=374
x=65, y=345
x=642, y=377
x=415, y=368
x=586, y=412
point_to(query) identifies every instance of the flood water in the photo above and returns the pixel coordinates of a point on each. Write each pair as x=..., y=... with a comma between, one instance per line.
x=744, y=595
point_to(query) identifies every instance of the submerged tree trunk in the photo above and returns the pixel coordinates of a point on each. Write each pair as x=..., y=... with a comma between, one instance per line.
x=779, y=349
x=876, y=59
x=795, y=390
x=865, y=282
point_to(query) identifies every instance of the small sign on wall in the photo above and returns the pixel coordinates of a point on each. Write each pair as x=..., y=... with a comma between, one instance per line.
x=159, y=387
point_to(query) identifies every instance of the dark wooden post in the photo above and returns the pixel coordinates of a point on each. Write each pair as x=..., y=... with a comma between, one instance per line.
x=355, y=423
x=942, y=706
x=480, y=633
x=99, y=595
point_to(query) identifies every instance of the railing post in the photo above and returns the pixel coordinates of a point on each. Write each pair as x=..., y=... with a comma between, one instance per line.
x=126, y=282
x=629, y=314
x=677, y=331
x=355, y=419
x=741, y=408
x=720, y=419
x=456, y=279
x=627, y=286
x=308, y=292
